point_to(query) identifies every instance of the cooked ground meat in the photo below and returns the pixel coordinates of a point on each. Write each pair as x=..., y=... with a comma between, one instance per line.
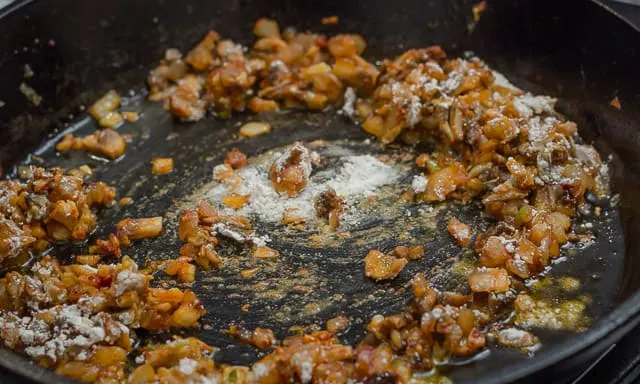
x=460, y=231
x=46, y=206
x=260, y=337
x=162, y=165
x=236, y=159
x=380, y=266
x=506, y=148
x=290, y=172
x=105, y=142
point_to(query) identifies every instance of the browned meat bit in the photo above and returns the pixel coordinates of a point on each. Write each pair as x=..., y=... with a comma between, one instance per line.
x=290, y=172
x=194, y=230
x=615, y=103
x=329, y=20
x=13, y=240
x=227, y=86
x=130, y=116
x=489, y=280
x=182, y=268
x=104, y=110
x=460, y=231
x=266, y=28
x=162, y=165
x=110, y=301
x=255, y=128
x=516, y=338
x=396, y=347
x=105, y=142
x=46, y=206
x=125, y=201
x=290, y=70
x=235, y=200
x=261, y=338
x=380, y=266
x=263, y=252
x=164, y=77
x=180, y=359
x=201, y=57
x=236, y=159
x=494, y=252
x=111, y=246
x=443, y=182
x=135, y=229
x=88, y=259
x=258, y=105
x=409, y=253
x=291, y=217
x=329, y=206
x=317, y=357
x=185, y=101
x=338, y=324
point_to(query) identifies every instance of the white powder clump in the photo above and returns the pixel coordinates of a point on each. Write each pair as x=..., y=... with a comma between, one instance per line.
x=304, y=365
x=348, y=108
x=539, y=129
x=513, y=335
x=527, y=105
x=404, y=98
x=259, y=369
x=278, y=65
x=361, y=175
x=128, y=280
x=187, y=366
x=501, y=81
x=454, y=78
x=250, y=237
x=72, y=331
x=419, y=183
x=355, y=177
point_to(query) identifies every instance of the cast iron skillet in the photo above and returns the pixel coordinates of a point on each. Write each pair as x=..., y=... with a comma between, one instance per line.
x=576, y=50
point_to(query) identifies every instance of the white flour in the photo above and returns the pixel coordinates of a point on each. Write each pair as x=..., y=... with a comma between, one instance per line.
x=527, y=105
x=348, y=108
x=356, y=177
x=74, y=330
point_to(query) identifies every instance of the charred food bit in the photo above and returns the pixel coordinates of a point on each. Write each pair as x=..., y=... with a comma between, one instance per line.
x=329, y=205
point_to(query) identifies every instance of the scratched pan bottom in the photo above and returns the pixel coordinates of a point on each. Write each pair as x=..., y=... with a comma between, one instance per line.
x=307, y=285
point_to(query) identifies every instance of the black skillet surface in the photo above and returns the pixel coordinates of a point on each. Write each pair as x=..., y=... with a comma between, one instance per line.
x=544, y=48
